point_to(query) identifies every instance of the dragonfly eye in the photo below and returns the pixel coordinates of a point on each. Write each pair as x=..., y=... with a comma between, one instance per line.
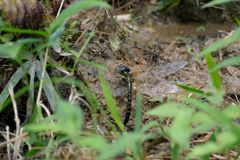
x=124, y=69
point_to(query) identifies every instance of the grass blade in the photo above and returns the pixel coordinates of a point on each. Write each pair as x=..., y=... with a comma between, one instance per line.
x=47, y=86
x=220, y=44
x=138, y=116
x=110, y=101
x=14, y=80
x=216, y=79
x=230, y=61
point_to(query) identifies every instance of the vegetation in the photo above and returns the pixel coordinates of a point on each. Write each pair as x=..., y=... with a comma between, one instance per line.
x=47, y=131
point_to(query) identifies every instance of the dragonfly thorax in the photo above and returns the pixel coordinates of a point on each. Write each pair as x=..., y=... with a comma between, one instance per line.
x=124, y=69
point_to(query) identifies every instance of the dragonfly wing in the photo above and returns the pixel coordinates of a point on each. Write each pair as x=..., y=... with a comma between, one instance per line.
x=161, y=71
x=92, y=71
x=116, y=89
x=157, y=89
x=110, y=76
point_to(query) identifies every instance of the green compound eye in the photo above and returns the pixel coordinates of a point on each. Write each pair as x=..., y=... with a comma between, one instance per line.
x=124, y=68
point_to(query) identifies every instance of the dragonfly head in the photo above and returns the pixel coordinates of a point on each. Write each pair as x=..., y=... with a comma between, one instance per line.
x=124, y=69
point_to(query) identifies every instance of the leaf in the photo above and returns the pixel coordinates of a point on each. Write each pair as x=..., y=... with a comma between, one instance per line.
x=194, y=91
x=99, y=66
x=217, y=97
x=69, y=118
x=216, y=2
x=216, y=79
x=42, y=125
x=138, y=114
x=30, y=101
x=120, y=145
x=230, y=61
x=180, y=131
x=114, y=42
x=227, y=140
x=202, y=150
x=232, y=111
x=95, y=142
x=29, y=40
x=14, y=80
x=56, y=27
x=10, y=50
x=26, y=31
x=220, y=44
x=57, y=48
x=149, y=125
x=110, y=101
x=169, y=110
x=156, y=99
x=220, y=117
x=57, y=32
x=47, y=85
x=204, y=122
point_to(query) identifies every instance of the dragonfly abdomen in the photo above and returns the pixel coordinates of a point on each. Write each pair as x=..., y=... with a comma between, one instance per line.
x=129, y=105
x=127, y=77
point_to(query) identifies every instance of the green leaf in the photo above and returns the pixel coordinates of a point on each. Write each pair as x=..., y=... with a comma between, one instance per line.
x=25, y=31
x=95, y=142
x=220, y=117
x=149, y=125
x=57, y=32
x=180, y=131
x=230, y=61
x=202, y=150
x=6, y=37
x=30, y=101
x=69, y=118
x=194, y=91
x=138, y=114
x=99, y=66
x=217, y=97
x=216, y=79
x=42, y=125
x=156, y=99
x=120, y=145
x=204, y=122
x=237, y=20
x=10, y=50
x=216, y=2
x=57, y=25
x=227, y=140
x=29, y=40
x=47, y=85
x=169, y=110
x=110, y=101
x=220, y=44
x=14, y=80
x=232, y=111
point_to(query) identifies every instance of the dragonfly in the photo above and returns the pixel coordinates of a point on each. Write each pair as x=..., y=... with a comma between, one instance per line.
x=148, y=80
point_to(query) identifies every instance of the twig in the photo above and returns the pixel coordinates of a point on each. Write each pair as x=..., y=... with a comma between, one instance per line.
x=8, y=146
x=126, y=5
x=42, y=77
x=60, y=8
x=17, y=143
x=91, y=23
